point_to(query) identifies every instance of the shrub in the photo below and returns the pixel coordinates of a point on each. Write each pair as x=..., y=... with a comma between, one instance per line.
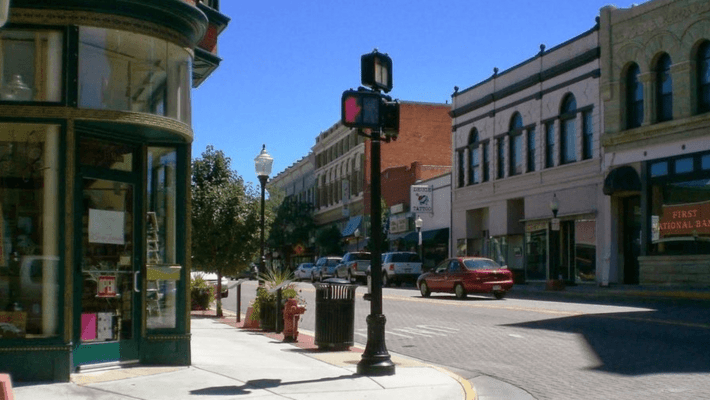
x=201, y=292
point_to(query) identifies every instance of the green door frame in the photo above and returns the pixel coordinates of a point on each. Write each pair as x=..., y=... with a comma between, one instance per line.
x=125, y=349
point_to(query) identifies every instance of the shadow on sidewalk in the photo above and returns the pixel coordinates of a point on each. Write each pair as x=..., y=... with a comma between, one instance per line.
x=262, y=384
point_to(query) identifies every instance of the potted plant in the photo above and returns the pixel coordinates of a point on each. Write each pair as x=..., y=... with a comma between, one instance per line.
x=264, y=305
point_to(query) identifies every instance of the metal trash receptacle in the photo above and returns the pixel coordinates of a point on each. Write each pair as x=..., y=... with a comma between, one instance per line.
x=335, y=314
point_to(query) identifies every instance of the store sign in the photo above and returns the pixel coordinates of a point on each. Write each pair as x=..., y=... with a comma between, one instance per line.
x=685, y=220
x=399, y=225
x=421, y=199
x=106, y=286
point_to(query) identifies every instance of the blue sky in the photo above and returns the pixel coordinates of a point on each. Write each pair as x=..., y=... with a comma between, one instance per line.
x=286, y=63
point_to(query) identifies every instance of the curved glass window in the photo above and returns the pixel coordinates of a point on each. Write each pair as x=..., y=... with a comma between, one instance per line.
x=127, y=71
x=30, y=272
x=30, y=65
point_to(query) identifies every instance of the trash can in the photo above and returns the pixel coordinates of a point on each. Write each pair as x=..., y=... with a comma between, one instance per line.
x=335, y=314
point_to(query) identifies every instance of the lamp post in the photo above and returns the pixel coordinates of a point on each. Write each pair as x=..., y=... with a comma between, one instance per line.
x=418, y=223
x=357, y=239
x=262, y=164
x=555, y=282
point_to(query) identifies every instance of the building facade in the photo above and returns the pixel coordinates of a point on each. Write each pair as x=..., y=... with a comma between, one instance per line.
x=343, y=166
x=522, y=138
x=95, y=135
x=655, y=87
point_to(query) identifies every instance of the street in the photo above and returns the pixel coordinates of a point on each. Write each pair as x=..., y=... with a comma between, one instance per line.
x=564, y=349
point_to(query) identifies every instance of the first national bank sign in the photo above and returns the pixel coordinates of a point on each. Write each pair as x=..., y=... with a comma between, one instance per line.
x=421, y=200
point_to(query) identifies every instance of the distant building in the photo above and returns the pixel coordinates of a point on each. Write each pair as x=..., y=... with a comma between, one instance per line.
x=521, y=138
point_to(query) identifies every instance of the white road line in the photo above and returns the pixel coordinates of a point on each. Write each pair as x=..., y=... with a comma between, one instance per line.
x=414, y=331
x=399, y=334
x=438, y=328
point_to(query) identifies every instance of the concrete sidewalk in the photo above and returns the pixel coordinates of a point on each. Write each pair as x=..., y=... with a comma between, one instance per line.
x=234, y=363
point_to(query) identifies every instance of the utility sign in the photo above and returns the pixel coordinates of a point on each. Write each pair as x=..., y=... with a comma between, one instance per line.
x=361, y=109
x=421, y=200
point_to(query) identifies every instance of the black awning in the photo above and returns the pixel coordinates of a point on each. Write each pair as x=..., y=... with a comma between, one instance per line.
x=622, y=179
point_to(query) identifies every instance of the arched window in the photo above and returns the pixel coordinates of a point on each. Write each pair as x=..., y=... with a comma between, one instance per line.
x=634, y=98
x=516, y=144
x=703, y=65
x=664, y=89
x=568, y=125
x=474, y=164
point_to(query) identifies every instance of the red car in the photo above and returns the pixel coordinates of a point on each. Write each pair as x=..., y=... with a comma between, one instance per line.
x=464, y=275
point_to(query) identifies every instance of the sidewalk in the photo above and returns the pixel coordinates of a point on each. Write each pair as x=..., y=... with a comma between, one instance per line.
x=231, y=362
x=686, y=292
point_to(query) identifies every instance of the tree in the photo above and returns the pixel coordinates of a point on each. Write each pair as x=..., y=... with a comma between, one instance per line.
x=225, y=218
x=330, y=241
x=292, y=225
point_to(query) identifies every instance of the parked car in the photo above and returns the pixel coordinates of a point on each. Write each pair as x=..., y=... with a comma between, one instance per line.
x=303, y=271
x=325, y=268
x=250, y=273
x=400, y=266
x=465, y=275
x=211, y=278
x=354, y=266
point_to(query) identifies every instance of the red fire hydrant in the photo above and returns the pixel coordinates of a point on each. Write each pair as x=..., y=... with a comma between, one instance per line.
x=292, y=313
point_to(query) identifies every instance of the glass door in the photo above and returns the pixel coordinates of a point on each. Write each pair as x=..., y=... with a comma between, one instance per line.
x=110, y=275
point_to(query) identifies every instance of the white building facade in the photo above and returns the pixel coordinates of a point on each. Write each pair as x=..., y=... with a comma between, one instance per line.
x=522, y=138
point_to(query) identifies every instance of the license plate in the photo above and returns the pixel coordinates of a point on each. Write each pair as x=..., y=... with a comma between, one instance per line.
x=496, y=287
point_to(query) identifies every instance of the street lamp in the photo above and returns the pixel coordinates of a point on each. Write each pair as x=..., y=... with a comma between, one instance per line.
x=262, y=164
x=555, y=276
x=418, y=223
x=357, y=238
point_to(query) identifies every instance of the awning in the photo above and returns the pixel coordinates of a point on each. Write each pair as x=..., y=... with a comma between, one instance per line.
x=353, y=223
x=438, y=235
x=622, y=179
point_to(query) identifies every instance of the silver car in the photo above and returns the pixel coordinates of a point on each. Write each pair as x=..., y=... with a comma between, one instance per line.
x=354, y=266
x=304, y=271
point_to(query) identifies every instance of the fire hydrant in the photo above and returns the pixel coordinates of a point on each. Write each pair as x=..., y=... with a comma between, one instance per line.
x=292, y=313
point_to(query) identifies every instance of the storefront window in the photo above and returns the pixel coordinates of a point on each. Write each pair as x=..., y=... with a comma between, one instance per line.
x=29, y=230
x=132, y=72
x=161, y=230
x=536, y=248
x=680, y=217
x=585, y=250
x=30, y=65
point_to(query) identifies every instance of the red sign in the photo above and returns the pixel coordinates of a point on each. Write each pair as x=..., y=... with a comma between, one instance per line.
x=685, y=220
x=106, y=286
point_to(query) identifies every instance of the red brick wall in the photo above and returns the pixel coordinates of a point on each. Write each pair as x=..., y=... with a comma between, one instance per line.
x=424, y=138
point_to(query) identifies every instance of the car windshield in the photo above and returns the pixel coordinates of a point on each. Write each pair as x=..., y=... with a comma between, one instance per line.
x=404, y=257
x=481, y=263
x=360, y=256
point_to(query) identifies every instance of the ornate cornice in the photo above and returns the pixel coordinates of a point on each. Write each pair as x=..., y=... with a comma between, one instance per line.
x=110, y=116
x=173, y=20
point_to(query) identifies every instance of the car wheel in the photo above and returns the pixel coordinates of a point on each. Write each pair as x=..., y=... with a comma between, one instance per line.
x=460, y=291
x=385, y=279
x=424, y=289
x=499, y=295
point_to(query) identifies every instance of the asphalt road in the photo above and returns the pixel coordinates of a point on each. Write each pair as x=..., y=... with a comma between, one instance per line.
x=548, y=349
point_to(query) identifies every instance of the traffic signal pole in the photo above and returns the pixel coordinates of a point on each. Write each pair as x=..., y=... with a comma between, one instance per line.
x=375, y=361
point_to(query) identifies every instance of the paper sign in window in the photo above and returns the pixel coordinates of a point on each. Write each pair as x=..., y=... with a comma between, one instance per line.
x=106, y=226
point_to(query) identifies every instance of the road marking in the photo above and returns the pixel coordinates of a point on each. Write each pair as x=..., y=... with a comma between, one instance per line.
x=515, y=336
x=439, y=328
x=386, y=332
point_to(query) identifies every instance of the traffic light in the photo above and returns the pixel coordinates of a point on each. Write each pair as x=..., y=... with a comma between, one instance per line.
x=361, y=109
x=389, y=117
x=376, y=71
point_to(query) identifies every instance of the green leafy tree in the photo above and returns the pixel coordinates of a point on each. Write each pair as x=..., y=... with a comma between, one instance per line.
x=329, y=241
x=225, y=218
x=292, y=225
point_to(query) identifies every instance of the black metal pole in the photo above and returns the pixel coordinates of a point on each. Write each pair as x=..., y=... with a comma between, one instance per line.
x=375, y=361
x=262, y=266
x=239, y=302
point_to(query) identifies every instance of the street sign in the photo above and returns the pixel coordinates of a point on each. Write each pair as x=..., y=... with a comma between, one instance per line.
x=421, y=199
x=555, y=224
